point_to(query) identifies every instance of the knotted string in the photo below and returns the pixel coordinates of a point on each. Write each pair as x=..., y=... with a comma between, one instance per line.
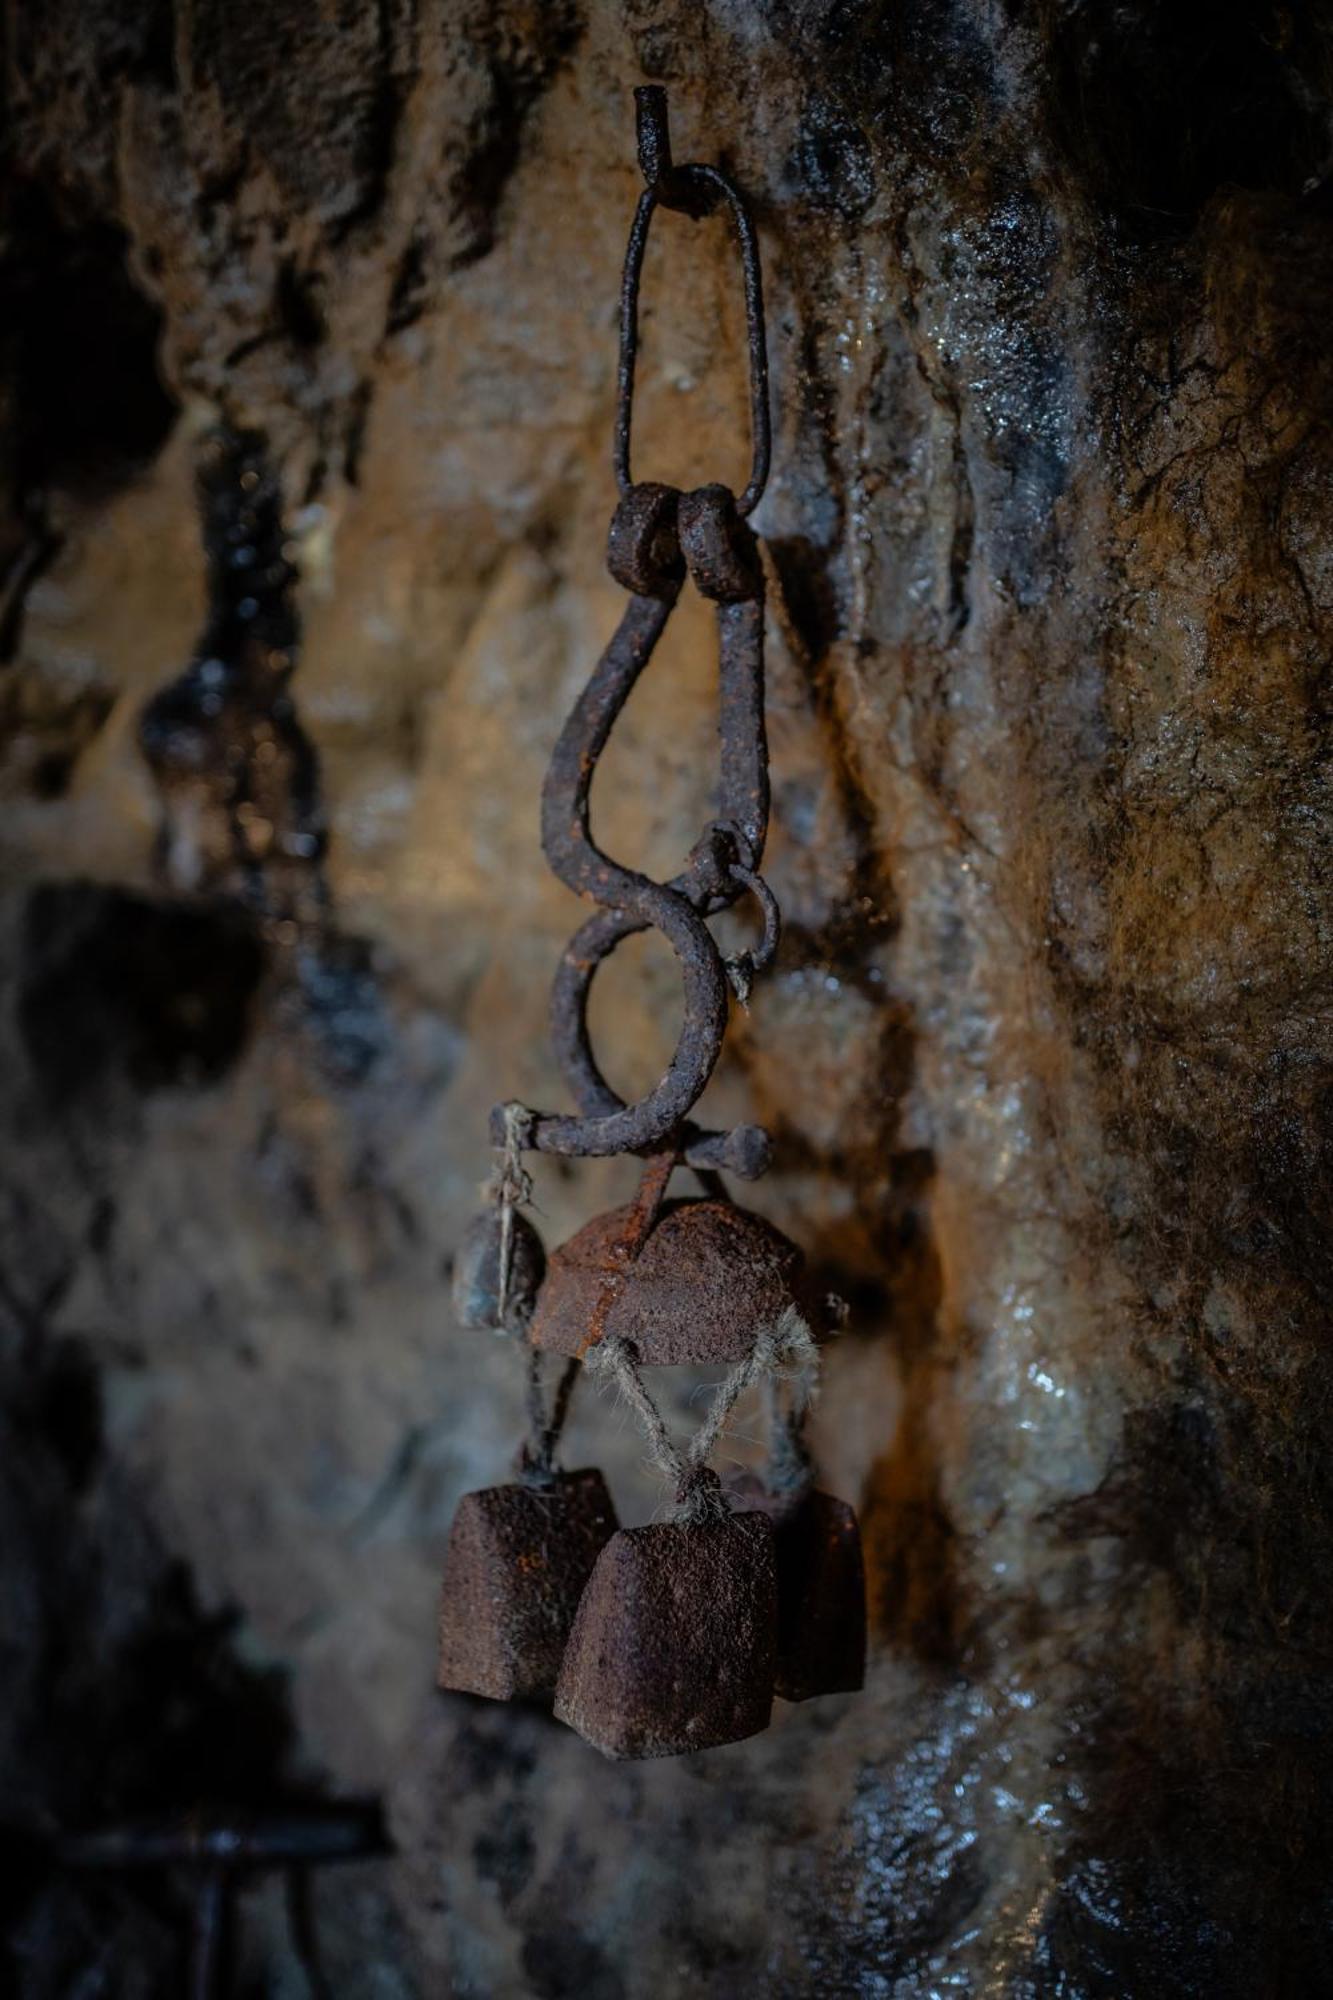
x=509, y=1187
x=790, y=1467
x=536, y=1463
x=784, y=1350
x=790, y=1470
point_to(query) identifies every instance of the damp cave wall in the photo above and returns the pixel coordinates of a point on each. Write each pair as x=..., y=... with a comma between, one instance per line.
x=1045, y=1054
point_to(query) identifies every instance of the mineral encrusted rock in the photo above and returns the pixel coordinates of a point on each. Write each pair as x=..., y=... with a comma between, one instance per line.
x=1046, y=1054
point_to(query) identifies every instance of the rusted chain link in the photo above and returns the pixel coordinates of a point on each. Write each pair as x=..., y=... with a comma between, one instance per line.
x=658, y=537
x=694, y=190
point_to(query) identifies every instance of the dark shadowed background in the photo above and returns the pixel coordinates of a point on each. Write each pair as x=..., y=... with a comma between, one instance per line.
x=1046, y=1054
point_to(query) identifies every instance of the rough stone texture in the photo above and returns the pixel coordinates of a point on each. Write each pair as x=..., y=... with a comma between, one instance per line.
x=1046, y=1052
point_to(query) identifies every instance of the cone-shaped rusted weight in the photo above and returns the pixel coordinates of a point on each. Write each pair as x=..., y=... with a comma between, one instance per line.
x=707, y=1277
x=821, y=1599
x=673, y=1646
x=516, y=1566
x=821, y=1588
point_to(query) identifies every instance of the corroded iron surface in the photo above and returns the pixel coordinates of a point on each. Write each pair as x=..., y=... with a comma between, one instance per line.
x=708, y=1276
x=821, y=1644
x=517, y=1562
x=673, y=1647
x=658, y=536
x=693, y=189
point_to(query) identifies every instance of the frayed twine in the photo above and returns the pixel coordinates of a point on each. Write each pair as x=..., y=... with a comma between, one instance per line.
x=509, y=1187
x=785, y=1352
x=790, y=1468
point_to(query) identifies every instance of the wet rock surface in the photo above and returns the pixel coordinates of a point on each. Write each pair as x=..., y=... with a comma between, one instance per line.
x=1045, y=1055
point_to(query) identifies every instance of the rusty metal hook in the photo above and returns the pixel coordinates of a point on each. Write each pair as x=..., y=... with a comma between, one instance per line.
x=658, y=536
x=721, y=556
x=693, y=189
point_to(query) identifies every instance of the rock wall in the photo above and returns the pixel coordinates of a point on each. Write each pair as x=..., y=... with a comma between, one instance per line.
x=1046, y=1054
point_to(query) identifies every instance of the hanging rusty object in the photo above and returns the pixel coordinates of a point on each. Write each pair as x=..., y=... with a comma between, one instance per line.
x=674, y=1637
x=674, y=1645
x=821, y=1646
x=518, y=1559
x=658, y=537
x=498, y=1271
x=821, y=1630
x=821, y=1640
x=706, y=1276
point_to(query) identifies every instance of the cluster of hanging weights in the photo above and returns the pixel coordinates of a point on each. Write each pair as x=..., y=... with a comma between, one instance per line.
x=675, y=1636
